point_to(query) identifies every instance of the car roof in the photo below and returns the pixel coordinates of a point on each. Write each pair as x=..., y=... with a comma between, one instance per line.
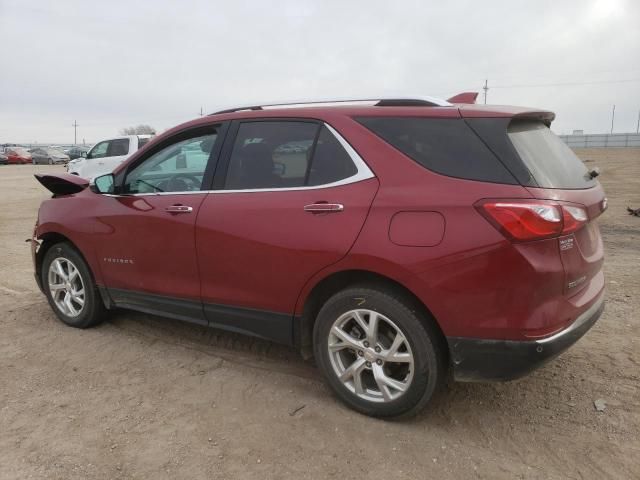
x=324, y=111
x=422, y=106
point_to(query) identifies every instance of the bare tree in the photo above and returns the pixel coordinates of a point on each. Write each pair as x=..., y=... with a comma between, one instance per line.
x=139, y=130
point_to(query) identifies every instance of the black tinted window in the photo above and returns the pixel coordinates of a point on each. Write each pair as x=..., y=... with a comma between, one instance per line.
x=331, y=162
x=142, y=141
x=551, y=163
x=118, y=147
x=446, y=146
x=270, y=155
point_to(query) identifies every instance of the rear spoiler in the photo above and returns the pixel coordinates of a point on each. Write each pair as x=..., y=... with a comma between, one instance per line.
x=464, y=97
x=62, y=183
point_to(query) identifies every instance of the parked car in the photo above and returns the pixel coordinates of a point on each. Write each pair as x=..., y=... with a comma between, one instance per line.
x=17, y=155
x=76, y=152
x=3, y=159
x=48, y=156
x=410, y=239
x=106, y=155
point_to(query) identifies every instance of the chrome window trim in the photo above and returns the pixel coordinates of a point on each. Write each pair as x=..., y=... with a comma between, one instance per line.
x=363, y=173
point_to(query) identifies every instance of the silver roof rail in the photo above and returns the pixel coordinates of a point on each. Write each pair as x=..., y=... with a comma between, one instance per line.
x=399, y=101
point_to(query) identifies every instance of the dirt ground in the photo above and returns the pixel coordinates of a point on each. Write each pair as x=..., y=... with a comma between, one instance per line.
x=145, y=397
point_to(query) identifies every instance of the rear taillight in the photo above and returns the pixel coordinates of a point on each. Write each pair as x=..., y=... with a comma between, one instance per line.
x=527, y=220
x=574, y=218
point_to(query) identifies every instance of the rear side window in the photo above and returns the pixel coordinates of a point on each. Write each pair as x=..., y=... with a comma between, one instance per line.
x=270, y=155
x=117, y=147
x=445, y=146
x=551, y=162
x=286, y=154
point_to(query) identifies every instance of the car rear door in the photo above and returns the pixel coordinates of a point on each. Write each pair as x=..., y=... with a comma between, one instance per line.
x=291, y=197
x=146, y=246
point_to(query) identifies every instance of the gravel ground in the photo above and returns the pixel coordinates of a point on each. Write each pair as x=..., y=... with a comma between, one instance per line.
x=145, y=397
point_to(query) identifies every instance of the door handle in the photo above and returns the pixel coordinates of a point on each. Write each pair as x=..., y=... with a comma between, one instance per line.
x=321, y=207
x=179, y=209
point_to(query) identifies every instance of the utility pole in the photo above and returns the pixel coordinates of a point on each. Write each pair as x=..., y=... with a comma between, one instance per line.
x=638, y=124
x=75, y=132
x=201, y=112
x=613, y=115
x=485, y=88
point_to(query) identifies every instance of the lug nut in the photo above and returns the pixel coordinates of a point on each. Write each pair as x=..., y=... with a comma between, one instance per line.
x=360, y=353
x=379, y=362
x=366, y=344
x=368, y=364
x=377, y=349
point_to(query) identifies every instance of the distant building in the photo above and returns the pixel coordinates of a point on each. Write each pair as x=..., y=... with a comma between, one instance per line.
x=578, y=132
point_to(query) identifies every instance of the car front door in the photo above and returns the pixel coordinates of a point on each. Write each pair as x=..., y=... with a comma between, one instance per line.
x=146, y=245
x=292, y=197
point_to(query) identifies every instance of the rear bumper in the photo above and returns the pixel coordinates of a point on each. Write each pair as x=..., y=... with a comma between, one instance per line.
x=477, y=360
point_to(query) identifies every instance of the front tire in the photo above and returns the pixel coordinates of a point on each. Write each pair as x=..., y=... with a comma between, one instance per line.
x=70, y=288
x=377, y=354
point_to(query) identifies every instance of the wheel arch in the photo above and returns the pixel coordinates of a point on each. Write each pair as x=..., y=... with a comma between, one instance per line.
x=48, y=240
x=337, y=281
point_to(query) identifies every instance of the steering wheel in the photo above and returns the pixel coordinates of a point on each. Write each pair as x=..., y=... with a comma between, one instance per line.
x=183, y=182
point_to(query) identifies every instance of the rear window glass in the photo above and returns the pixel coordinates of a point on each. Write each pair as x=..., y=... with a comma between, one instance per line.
x=142, y=141
x=550, y=161
x=445, y=146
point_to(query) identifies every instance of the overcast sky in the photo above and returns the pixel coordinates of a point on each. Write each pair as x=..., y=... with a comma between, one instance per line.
x=112, y=64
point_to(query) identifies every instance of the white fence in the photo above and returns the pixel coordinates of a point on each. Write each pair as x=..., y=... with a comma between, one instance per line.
x=603, y=140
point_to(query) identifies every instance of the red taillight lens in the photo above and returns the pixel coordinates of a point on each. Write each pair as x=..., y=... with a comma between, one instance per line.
x=526, y=220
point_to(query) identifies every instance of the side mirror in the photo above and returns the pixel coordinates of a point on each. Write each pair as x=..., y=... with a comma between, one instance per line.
x=103, y=184
x=83, y=154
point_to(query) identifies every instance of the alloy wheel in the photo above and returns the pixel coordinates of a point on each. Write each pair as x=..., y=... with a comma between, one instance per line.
x=66, y=287
x=370, y=355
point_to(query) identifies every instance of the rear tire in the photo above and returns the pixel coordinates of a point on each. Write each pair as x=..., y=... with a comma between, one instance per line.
x=377, y=354
x=70, y=289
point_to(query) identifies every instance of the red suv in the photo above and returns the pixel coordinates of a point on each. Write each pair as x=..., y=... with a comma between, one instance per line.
x=395, y=240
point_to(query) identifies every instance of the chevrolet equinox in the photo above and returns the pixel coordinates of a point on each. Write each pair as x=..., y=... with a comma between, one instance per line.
x=398, y=241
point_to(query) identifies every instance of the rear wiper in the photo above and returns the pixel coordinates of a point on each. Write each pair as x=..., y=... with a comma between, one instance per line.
x=593, y=173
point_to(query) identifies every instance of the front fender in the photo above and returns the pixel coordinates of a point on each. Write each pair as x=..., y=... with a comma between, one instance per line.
x=63, y=219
